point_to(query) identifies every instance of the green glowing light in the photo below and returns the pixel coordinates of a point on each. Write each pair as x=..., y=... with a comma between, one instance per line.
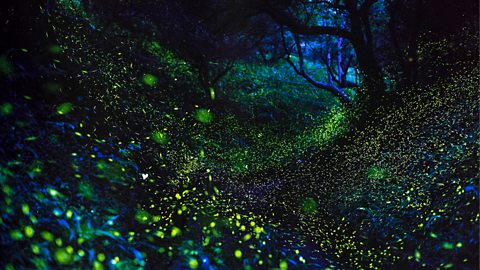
x=203, y=116
x=86, y=190
x=59, y=242
x=377, y=173
x=31, y=138
x=101, y=165
x=193, y=263
x=447, y=245
x=160, y=137
x=5, y=65
x=176, y=231
x=6, y=108
x=62, y=256
x=237, y=253
x=29, y=231
x=448, y=265
x=418, y=255
x=101, y=257
x=35, y=169
x=309, y=206
x=48, y=236
x=142, y=216
x=98, y=265
x=212, y=93
x=53, y=192
x=25, y=209
x=150, y=80
x=64, y=108
x=16, y=235
x=55, y=49
x=35, y=249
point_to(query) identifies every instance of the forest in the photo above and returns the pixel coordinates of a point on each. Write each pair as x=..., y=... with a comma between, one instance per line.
x=239, y=134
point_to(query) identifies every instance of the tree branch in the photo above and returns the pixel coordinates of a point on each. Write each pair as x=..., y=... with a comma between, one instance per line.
x=366, y=5
x=295, y=26
x=335, y=4
x=337, y=92
x=341, y=82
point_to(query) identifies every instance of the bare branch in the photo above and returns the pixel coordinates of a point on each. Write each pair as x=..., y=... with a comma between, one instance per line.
x=339, y=81
x=336, y=91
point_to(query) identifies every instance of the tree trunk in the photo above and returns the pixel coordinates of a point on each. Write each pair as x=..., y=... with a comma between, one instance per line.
x=373, y=91
x=374, y=85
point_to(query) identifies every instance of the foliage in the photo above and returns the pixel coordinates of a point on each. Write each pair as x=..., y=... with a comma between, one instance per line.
x=114, y=155
x=404, y=192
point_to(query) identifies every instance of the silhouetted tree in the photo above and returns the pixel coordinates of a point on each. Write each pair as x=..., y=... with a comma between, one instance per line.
x=352, y=22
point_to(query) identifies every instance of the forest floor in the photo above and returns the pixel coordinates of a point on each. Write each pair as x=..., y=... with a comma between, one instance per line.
x=402, y=190
x=115, y=160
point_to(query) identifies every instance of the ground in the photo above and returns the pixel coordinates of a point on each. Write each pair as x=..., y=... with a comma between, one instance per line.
x=112, y=157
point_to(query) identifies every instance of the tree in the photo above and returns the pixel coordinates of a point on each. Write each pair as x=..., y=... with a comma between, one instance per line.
x=353, y=23
x=210, y=35
x=300, y=70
